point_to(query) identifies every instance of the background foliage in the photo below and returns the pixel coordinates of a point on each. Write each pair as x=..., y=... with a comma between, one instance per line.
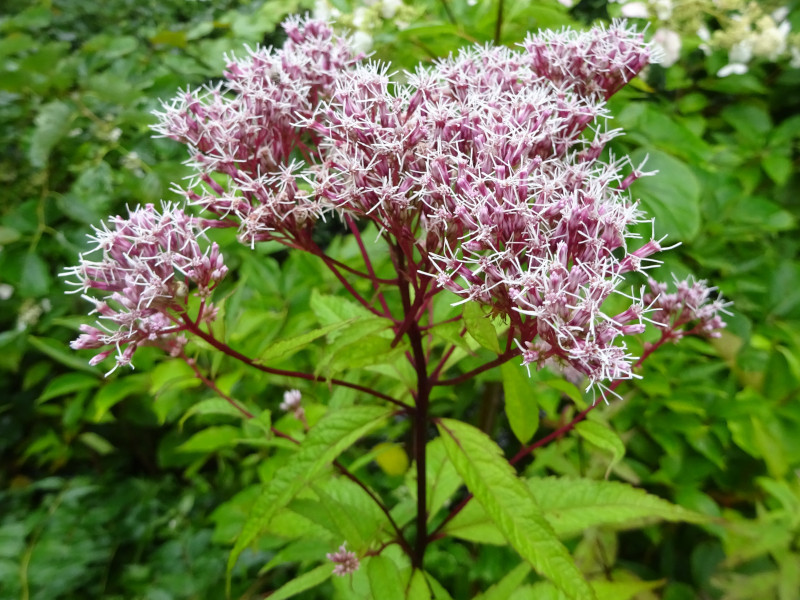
x=112, y=489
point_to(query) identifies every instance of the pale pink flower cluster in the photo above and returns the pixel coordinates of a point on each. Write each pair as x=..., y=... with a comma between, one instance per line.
x=690, y=310
x=346, y=562
x=147, y=265
x=485, y=169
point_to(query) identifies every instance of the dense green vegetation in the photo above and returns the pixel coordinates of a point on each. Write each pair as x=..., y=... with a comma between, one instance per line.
x=137, y=485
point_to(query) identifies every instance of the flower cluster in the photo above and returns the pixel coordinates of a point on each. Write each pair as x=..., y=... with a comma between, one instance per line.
x=142, y=280
x=346, y=562
x=746, y=30
x=486, y=165
x=687, y=311
x=483, y=170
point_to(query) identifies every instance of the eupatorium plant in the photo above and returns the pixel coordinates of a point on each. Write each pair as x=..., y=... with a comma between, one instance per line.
x=486, y=177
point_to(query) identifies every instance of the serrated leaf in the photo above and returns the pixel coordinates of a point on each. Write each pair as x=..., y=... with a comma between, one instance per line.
x=573, y=505
x=50, y=125
x=334, y=309
x=605, y=590
x=303, y=582
x=67, y=384
x=480, y=327
x=332, y=435
x=283, y=348
x=384, y=579
x=604, y=438
x=511, y=506
x=521, y=407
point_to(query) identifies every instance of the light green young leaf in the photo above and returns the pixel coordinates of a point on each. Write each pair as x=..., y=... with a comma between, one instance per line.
x=480, y=327
x=521, y=407
x=511, y=506
x=604, y=438
x=385, y=580
x=332, y=435
x=304, y=582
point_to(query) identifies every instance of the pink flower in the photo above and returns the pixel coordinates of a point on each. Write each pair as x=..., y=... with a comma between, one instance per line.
x=346, y=562
x=142, y=279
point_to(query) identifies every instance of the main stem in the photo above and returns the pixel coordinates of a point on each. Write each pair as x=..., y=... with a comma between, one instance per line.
x=420, y=414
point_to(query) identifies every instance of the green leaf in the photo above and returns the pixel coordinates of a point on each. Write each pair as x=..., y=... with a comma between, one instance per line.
x=506, y=586
x=778, y=167
x=284, y=348
x=480, y=327
x=50, y=125
x=303, y=582
x=521, y=407
x=58, y=352
x=67, y=384
x=573, y=505
x=334, y=309
x=8, y=235
x=212, y=406
x=671, y=196
x=604, y=438
x=35, y=277
x=336, y=431
x=605, y=590
x=96, y=442
x=418, y=587
x=511, y=506
x=384, y=578
x=115, y=391
x=211, y=439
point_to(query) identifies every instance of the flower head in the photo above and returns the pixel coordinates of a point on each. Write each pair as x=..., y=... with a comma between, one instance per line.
x=141, y=279
x=346, y=562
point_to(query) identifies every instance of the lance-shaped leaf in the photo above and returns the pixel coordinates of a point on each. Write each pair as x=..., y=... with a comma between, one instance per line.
x=511, y=506
x=331, y=436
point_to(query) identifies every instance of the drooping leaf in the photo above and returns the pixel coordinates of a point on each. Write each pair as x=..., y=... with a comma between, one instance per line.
x=521, y=407
x=509, y=503
x=332, y=434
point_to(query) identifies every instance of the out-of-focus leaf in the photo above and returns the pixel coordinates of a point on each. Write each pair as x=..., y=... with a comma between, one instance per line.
x=51, y=124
